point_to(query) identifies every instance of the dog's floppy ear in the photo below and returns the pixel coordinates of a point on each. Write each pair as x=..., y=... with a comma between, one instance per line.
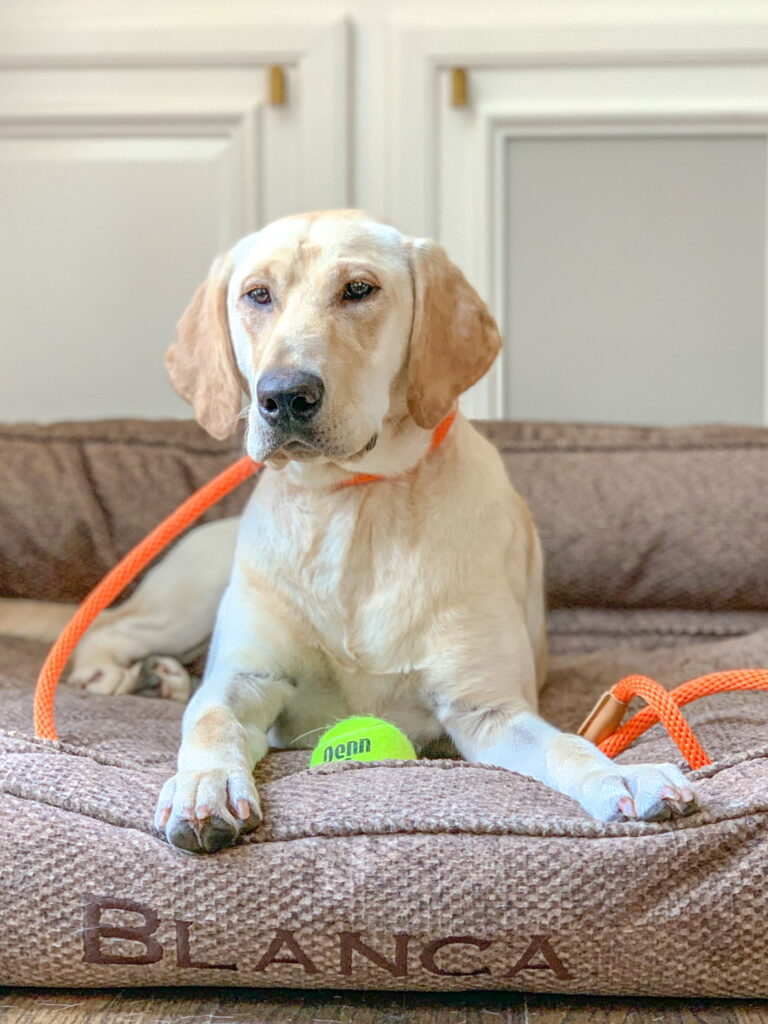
x=200, y=360
x=454, y=339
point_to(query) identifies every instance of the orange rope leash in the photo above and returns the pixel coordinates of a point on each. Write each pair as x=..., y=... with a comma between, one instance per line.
x=602, y=724
x=105, y=592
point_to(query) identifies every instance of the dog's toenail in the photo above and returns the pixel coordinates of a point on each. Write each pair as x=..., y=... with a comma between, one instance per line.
x=627, y=807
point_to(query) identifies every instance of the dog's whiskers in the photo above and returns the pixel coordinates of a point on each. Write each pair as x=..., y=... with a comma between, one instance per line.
x=309, y=732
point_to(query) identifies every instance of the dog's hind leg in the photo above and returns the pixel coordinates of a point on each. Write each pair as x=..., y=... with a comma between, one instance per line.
x=33, y=620
x=169, y=616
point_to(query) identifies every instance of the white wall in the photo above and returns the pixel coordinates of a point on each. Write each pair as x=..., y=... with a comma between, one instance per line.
x=122, y=176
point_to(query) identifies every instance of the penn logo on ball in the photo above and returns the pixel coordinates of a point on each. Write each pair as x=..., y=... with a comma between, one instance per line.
x=362, y=739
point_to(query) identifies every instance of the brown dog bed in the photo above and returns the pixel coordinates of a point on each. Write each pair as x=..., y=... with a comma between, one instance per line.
x=427, y=875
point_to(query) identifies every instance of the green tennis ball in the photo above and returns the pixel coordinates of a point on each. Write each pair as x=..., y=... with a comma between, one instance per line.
x=362, y=739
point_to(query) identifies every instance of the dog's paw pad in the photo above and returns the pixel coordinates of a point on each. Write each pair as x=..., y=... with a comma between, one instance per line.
x=183, y=836
x=216, y=833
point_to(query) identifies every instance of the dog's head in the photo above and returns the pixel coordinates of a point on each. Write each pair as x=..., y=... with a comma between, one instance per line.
x=331, y=323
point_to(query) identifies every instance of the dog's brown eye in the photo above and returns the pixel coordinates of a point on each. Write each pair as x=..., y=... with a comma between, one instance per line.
x=356, y=290
x=260, y=296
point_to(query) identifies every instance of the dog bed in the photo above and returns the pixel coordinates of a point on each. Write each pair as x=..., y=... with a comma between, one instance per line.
x=435, y=874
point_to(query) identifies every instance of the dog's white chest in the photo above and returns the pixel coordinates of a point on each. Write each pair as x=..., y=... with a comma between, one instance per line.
x=354, y=579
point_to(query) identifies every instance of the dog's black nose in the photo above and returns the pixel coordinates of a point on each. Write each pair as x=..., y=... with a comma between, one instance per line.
x=288, y=396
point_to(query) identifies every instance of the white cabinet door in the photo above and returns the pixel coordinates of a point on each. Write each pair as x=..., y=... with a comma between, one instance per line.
x=605, y=187
x=128, y=160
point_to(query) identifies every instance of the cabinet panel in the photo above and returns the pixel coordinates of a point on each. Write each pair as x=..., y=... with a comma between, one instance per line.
x=128, y=160
x=635, y=279
x=122, y=230
x=606, y=192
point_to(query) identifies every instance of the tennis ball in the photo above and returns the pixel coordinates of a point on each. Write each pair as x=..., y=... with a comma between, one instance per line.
x=362, y=739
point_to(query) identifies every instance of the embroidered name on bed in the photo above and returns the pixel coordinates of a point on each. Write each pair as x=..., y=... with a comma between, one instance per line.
x=109, y=918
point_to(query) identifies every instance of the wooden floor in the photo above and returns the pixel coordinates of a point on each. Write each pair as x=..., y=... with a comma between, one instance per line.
x=279, y=1006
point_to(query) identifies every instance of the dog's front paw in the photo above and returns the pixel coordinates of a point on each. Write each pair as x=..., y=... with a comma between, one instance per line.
x=645, y=792
x=202, y=812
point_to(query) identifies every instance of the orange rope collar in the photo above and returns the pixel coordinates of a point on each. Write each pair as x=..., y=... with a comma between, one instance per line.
x=105, y=592
x=439, y=435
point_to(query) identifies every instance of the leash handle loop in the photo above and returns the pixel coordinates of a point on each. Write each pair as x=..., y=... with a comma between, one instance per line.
x=602, y=724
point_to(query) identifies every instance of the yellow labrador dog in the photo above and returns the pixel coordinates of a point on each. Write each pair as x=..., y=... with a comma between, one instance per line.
x=418, y=598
